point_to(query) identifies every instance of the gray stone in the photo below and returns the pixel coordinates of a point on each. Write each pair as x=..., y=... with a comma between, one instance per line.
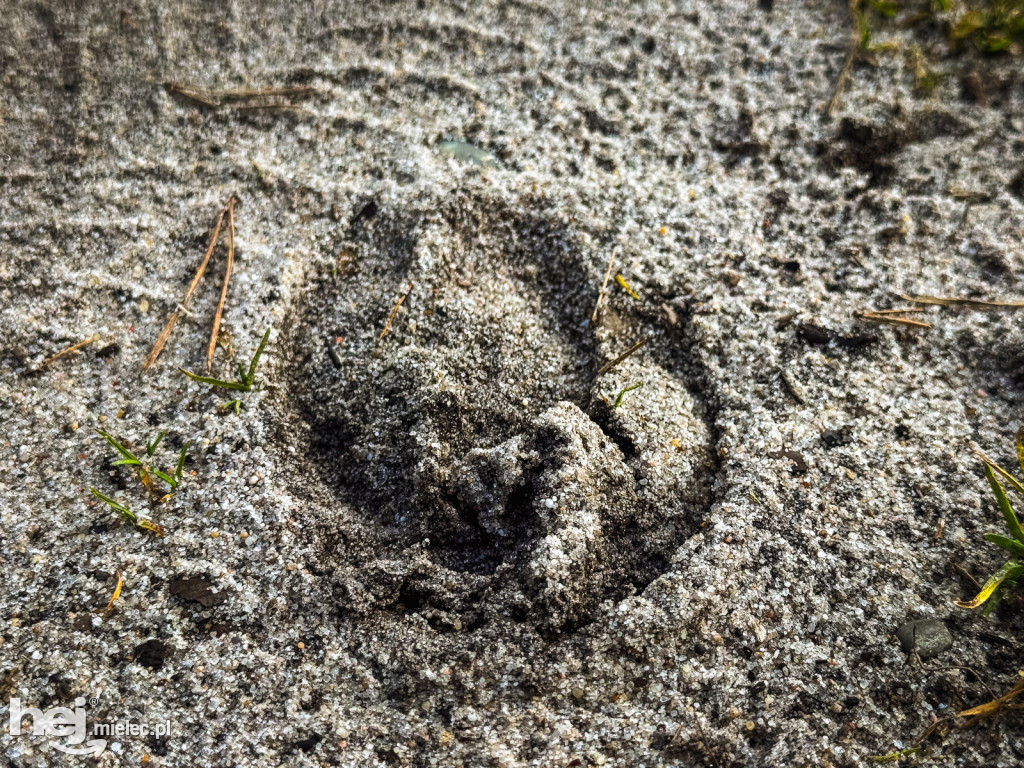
x=929, y=637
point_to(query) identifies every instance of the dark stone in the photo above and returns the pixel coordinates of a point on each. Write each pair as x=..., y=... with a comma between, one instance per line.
x=929, y=637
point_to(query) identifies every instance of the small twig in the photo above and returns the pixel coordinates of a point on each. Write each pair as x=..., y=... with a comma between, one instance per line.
x=604, y=285
x=962, y=669
x=794, y=387
x=707, y=746
x=166, y=332
x=891, y=317
x=966, y=574
x=927, y=732
x=224, y=287
x=195, y=94
x=945, y=301
x=394, y=312
x=844, y=74
x=67, y=351
x=611, y=364
x=218, y=99
x=992, y=708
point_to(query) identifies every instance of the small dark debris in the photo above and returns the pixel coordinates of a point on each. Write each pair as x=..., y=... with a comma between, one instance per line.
x=799, y=464
x=333, y=354
x=785, y=321
x=1017, y=185
x=151, y=654
x=993, y=639
x=82, y=622
x=813, y=334
x=816, y=334
x=972, y=88
x=779, y=199
x=368, y=211
x=108, y=351
x=833, y=438
x=870, y=147
x=307, y=744
x=197, y=589
x=902, y=431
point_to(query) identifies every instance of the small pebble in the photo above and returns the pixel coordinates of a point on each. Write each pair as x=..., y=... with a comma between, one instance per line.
x=929, y=637
x=467, y=153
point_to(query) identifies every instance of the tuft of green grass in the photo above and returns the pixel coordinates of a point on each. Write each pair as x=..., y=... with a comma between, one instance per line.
x=246, y=381
x=146, y=525
x=129, y=459
x=1011, y=571
x=627, y=287
x=894, y=757
x=992, y=26
x=623, y=391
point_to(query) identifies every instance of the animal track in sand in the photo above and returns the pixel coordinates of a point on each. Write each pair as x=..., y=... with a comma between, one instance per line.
x=465, y=465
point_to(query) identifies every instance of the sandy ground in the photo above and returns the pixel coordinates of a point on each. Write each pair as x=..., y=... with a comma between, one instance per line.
x=465, y=542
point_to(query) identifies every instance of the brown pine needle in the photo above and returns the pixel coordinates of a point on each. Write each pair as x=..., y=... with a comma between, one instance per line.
x=117, y=591
x=994, y=707
x=611, y=364
x=892, y=317
x=394, y=312
x=946, y=301
x=243, y=98
x=224, y=288
x=851, y=56
x=844, y=74
x=165, y=334
x=67, y=351
x=604, y=285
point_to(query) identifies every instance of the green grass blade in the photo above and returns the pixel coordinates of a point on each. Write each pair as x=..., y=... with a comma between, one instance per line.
x=1010, y=571
x=1010, y=545
x=122, y=462
x=251, y=377
x=151, y=447
x=622, y=393
x=129, y=457
x=181, y=461
x=121, y=508
x=1006, y=475
x=165, y=477
x=1004, y=504
x=215, y=382
x=1020, y=449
